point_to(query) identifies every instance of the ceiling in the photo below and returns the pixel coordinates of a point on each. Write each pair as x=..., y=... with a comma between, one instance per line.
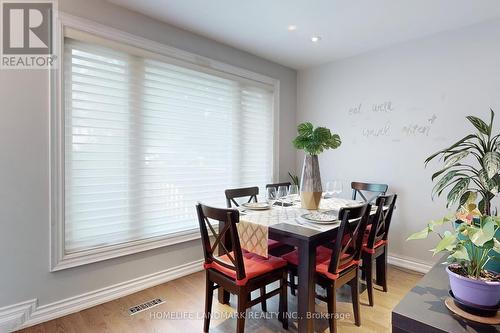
x=346, y=27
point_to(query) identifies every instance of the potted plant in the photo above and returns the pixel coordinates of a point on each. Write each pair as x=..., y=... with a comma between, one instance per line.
x=469, y=248
x=471, y=169
x=313, y=141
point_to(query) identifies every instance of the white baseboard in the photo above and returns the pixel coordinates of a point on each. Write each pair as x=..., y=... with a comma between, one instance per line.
x=409, y=263
x=29, y=313
x=13, y=316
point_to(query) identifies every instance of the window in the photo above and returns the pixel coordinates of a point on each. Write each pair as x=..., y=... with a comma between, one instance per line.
x=146, y=137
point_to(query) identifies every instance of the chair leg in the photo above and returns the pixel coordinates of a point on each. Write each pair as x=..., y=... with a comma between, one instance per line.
x=283, y=310
x=242, y=310
x=355, y=299
x=331, y=295
x=291, y=278
x=368, y=269
x=263, y=303
x=382, y=269
x=209, y=295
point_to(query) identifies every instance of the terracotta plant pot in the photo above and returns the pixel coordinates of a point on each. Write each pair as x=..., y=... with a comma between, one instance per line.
x=310, y=189
x=477, y=292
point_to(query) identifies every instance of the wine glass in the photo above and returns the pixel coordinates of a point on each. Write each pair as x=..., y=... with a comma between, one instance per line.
x=329, y=189
x=336, y=187
x=293, y=192
x=282, y=193
x=271, y=195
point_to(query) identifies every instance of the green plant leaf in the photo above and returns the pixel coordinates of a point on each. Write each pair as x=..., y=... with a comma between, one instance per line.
x=487, y=183
x=300, y=142
x=334, y=141
x=446, y=243
x=483, y=234
x=488, y=245
x=456, y=144
x=491, y=161
x=419, y=235
x=496, y=245
x=468, y=196
x=439, y=222
x=460, y=253
x=321, y=134
x=444, y=181
x=315, y=141
x=436, y=174
x=457, y=157
x=305, y=129
x=480, y=125
x=492, y=116
x=457, y=191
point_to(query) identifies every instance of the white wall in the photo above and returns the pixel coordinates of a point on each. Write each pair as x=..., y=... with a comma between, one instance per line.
x=450, y=75
x=24, y=166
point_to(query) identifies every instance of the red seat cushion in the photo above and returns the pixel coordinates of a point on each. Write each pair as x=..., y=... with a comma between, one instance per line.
x=255, y=265
x=322, y=267
x=272, y=244
x=377, y=244
x=322, y=254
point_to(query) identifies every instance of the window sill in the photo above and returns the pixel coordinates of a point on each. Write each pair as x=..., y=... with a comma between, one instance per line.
x=114, y=251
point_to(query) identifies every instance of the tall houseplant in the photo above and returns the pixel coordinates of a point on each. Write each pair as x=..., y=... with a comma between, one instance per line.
x=471, y=170
x=313, y=141
x=471, y=165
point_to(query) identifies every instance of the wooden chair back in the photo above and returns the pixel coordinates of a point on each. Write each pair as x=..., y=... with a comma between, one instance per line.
x=228, y=234
x=235, y=193
x=276, y=185
x=361, y=189
x=346, y=251
x=380, y=226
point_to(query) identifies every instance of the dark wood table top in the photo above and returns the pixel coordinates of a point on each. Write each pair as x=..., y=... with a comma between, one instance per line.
x=423, y=310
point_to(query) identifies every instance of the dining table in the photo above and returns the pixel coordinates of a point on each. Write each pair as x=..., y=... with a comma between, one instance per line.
x=287, y=225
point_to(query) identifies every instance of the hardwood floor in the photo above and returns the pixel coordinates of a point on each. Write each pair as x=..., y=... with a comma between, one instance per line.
x=183, y=310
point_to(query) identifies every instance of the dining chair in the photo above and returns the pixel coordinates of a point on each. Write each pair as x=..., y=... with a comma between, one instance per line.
x=375, y=242
x=361, y=189
x=242, y=192
x=339, y=266
x=274, y=247
x=237, y=271
x=276, y=185
x=250, y=194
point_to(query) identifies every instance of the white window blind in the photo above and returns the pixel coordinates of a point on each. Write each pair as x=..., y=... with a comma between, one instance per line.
x=146, y=139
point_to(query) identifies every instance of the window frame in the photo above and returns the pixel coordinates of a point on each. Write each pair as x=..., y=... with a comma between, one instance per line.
x=59, y=260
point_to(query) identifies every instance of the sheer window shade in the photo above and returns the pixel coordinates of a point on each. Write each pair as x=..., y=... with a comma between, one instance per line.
x=146, y=139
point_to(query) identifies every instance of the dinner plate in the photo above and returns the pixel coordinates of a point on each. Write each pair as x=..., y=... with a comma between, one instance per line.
x=256, y=205
x=321, y=218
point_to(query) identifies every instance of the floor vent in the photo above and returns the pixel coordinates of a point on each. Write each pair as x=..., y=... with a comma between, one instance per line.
x=145, y=306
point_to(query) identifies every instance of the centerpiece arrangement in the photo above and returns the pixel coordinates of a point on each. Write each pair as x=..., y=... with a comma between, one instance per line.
x=471, y=175
x=313, y=141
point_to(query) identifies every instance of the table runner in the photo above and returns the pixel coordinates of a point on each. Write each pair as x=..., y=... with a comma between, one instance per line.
x=253, y=228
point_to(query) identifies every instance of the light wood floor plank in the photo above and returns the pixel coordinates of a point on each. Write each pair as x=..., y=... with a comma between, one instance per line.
x=186, y=295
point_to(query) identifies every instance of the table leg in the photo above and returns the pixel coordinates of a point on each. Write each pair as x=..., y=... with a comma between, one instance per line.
x=307, y=287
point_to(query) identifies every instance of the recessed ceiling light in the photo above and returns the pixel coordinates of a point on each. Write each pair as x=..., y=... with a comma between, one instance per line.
x=292, y=27
x=315, y=39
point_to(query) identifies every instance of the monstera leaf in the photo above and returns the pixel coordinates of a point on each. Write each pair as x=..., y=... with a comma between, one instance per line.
x=315, y=140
